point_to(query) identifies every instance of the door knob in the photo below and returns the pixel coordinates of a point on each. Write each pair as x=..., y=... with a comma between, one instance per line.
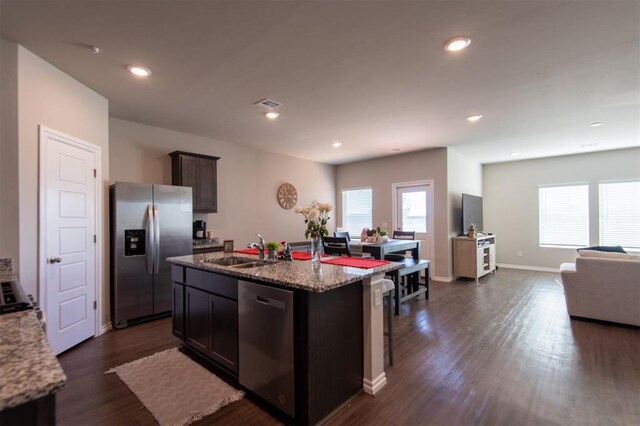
x=54, y=260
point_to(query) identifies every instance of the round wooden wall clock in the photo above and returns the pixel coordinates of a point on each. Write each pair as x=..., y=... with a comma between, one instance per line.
x=287, y=196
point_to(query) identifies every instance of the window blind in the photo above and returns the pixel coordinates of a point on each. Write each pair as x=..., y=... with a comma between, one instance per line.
x=620, y=214
x=564, y=215
x=356, y=210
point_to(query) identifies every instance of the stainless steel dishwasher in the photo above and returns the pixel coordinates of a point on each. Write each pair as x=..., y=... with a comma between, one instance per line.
x=265, y=322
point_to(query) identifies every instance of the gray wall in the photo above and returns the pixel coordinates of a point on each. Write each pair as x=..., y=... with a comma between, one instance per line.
x=247, y=179
x=9, y=213
x=511, y=200
x=45, y=96
x=380, y=173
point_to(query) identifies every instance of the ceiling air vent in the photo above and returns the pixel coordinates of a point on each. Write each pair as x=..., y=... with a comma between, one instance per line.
x=269, y=104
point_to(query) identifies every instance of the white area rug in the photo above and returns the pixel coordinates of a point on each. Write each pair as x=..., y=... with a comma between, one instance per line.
x=174, y=388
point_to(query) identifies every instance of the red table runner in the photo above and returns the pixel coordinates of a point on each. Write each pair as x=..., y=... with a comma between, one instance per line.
x=297, y=255
x=356, y=262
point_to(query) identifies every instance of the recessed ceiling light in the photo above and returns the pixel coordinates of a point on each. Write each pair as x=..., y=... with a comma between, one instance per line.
x=139, y=71
x=515, y=154
x=94, y=49
x=474, y=117
x=336, y=144
x=596, y=124
x=395, y=149
x=457, y=43
x=272, y=115
x=589, y=145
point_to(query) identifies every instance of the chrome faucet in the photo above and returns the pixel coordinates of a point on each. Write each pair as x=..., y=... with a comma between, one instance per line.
x=259, y=246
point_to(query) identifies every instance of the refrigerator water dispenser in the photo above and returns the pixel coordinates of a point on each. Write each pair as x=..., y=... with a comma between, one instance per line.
x=134, y=242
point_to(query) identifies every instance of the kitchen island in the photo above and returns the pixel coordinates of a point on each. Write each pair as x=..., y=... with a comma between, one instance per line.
x=30, y=375
x=320, y=346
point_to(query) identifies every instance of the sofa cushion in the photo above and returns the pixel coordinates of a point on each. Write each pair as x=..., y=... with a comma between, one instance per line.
x=614, y=249
x=608, y=255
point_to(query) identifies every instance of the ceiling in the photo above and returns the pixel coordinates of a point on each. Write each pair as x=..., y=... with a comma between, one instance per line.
x=371, y=74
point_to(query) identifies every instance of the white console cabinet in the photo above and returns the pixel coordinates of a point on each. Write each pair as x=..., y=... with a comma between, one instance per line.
x=474, y=257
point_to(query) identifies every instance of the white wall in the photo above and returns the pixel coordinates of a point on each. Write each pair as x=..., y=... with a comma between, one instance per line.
x=248, y=179
x=465, y=176
x=511, y=200
x=49, y=97
x=9, y=213
x=381, y=173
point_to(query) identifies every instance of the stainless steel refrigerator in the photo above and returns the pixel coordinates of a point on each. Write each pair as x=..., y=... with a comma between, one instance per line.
x=148, y=224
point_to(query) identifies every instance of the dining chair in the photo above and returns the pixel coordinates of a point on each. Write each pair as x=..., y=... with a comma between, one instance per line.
x=404, y=235
x=403, y=284
x=342, y=234
x=336, y=246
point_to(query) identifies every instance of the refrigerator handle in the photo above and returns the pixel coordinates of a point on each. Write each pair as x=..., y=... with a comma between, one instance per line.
x=151, y=252
x=156, y=225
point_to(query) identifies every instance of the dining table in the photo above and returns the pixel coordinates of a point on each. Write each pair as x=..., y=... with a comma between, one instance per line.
x=380, y=250
x=411, y=269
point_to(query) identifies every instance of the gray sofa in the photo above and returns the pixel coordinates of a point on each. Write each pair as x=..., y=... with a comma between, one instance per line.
x=603, y=286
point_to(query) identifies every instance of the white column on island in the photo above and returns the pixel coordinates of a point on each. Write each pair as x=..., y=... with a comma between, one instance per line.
x=374, y=377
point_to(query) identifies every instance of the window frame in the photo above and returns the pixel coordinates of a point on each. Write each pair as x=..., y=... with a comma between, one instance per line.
x=586, y=186
x=343, y=212
x=599, y=209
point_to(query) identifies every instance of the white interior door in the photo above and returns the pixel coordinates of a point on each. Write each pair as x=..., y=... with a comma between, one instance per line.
x=68, y=220
x=413, y=212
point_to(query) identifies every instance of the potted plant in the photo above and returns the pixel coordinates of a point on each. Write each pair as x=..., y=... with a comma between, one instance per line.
x=273, y=249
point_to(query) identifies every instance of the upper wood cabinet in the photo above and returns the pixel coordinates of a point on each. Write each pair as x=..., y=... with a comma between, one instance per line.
x=200, y=173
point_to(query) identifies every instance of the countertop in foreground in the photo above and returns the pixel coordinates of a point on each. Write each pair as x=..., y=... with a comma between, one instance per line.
x=296, y=274
x=28, y=368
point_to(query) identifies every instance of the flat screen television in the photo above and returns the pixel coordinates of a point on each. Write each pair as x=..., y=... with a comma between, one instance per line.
x=471, y=212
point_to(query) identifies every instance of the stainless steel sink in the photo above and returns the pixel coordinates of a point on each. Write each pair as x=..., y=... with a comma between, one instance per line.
x=229, y=261
x=250, y=265
x=236, y=262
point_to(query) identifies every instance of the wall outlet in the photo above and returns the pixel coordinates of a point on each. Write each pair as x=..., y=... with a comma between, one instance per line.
x=519, y=253
x=377, y=297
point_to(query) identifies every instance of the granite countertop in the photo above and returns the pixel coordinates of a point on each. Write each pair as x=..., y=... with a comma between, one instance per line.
x=28, y=368
x=297, y=273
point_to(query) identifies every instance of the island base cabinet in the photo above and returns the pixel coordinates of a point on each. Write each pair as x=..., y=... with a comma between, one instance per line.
x=329, y=350
x=177, y=320
x=212, y=326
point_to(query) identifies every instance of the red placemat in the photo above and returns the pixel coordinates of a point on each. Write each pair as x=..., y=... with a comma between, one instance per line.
x=249, y=251
x=356, y=262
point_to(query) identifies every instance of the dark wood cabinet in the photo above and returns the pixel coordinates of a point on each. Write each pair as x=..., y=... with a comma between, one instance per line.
x=197, y=328
x=200, y=173
x=210, y=316
x=223, y=332
x=177, y=320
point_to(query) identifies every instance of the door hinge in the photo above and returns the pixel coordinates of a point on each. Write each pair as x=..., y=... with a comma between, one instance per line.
x=95, y=239
x=95, y=173
x=95, y=305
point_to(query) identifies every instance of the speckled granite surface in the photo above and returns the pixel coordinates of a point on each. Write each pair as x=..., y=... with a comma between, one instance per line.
x=28, y=368
x=297, y=274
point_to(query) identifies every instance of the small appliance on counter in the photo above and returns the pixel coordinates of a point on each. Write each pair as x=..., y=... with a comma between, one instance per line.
x=199, y=229
x=13, y=298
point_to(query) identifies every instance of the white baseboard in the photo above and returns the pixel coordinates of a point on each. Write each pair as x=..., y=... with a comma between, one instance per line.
x=442, y=279
x=105, y=327
x=372, y=387
x=528, y=268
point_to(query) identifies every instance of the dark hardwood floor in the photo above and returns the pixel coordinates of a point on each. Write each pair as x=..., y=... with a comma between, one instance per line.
x=501, y=352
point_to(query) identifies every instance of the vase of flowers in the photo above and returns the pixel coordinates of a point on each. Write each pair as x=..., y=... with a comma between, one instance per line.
x=316, y=217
